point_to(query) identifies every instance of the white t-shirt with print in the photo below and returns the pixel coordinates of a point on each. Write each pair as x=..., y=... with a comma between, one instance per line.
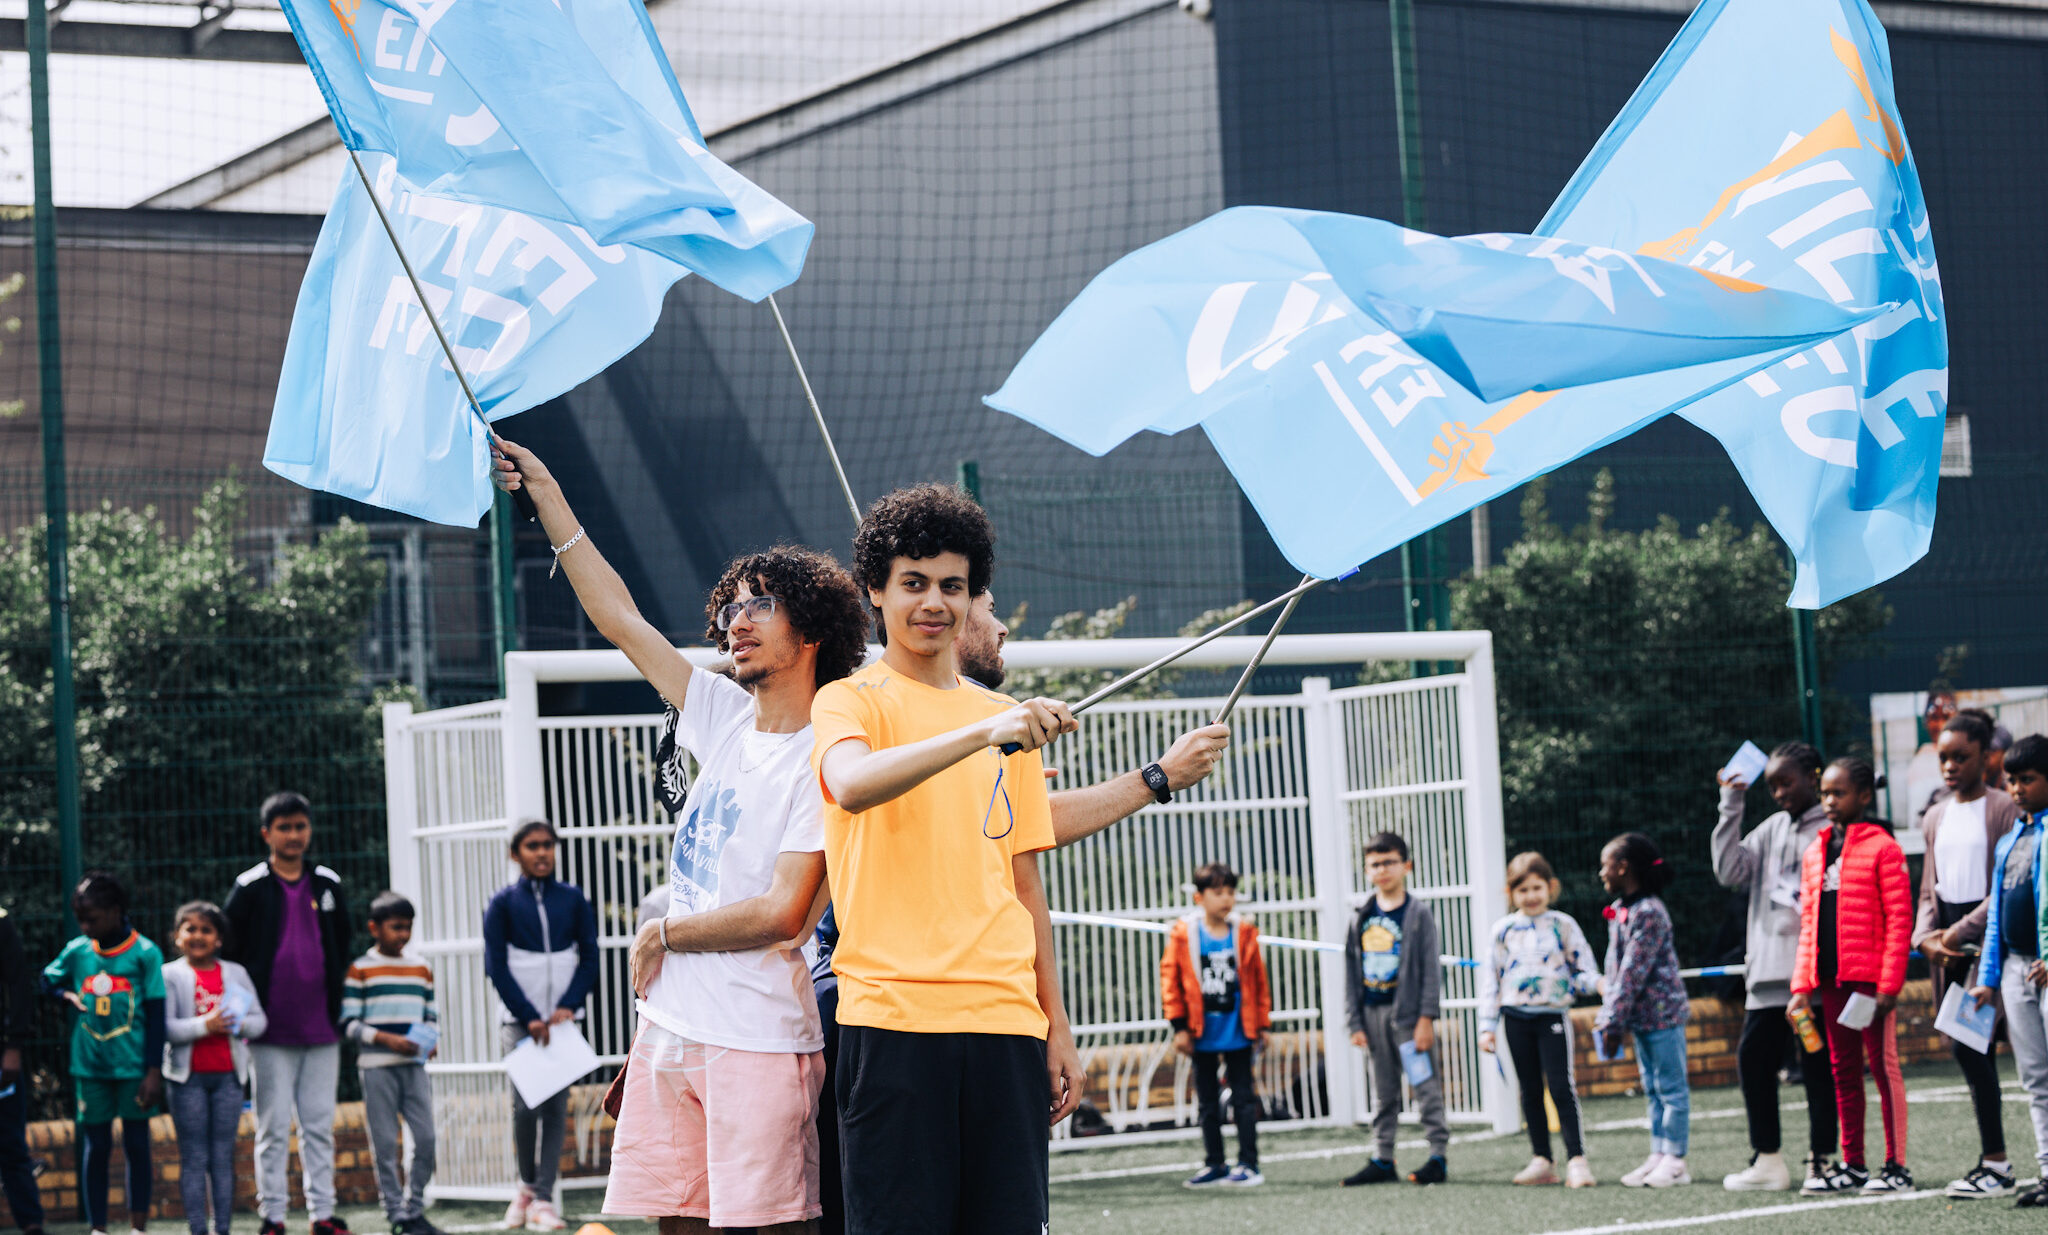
x=754, y=799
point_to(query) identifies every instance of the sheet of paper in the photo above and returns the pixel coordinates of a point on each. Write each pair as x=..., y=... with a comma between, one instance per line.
x=1600, y=1051
x=236, y=1002
x=1747, y=766
x=540, y=1072
x=1858, y=1012
x=426, y=1035
x=1965, y=1020
x=1416, y=1063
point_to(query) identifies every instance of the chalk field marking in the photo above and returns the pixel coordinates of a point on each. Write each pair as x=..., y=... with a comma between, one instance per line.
x=1741, y=1215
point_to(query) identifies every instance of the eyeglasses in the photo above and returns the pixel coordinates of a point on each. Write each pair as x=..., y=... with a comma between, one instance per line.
x=757, y=609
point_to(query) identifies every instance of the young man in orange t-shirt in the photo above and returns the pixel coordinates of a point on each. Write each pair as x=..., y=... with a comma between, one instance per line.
x=954, y=1046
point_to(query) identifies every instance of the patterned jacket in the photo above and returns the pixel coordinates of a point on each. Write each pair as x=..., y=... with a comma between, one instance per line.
x=1537, y=963
x=1644, y=992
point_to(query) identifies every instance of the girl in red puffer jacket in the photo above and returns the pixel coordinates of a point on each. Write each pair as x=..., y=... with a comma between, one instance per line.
x=1855, y=932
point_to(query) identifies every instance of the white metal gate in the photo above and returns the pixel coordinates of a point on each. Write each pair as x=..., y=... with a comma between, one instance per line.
x=1307, y=779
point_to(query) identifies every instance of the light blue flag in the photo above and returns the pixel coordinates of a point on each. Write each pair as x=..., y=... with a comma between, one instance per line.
x=367, y=405
x=1365, y=383
x=566, y=111
x=1766, y=144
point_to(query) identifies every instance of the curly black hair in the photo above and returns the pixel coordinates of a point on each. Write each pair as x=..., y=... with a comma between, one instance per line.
x=820, y=599
x=922, y=522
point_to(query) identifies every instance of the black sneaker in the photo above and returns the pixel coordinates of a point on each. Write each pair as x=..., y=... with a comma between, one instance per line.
x=330, y=1226
x=2035, y=1197
x=1893, y=1178
x=416, y=1226
x=1432, y=1172
x=1841, y=1177
x=1984, y=1182
x=1375, y=1171
x=271, y=1228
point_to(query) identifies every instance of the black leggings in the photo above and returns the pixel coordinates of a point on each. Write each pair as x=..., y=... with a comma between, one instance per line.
x=1541, y=1048
x=1766, y=1040
x=1244, y=1102
x=1980, y=1072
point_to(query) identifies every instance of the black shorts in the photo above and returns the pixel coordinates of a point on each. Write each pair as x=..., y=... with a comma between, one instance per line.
x=942, y=1133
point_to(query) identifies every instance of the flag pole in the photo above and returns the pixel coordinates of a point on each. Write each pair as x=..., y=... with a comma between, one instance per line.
x=501, y=531
x=1130, y=679
x=817, y=414
x=1245, y=679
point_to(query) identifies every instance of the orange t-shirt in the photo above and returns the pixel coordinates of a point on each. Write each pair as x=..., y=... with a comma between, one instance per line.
x=932, y=937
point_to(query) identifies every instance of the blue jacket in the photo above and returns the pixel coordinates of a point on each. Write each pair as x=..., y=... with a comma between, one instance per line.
x=1992, y=962
x=540, y=959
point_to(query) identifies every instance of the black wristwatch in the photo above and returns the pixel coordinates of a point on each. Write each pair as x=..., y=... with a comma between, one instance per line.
x=1155, y=780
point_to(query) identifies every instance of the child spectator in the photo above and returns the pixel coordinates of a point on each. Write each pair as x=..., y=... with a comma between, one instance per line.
x=210, y=1012
x=387, y=1006
x=2010, y=968
x=1393, y=977
x=1537, y=961
x=114, y=979
x=1213, y=982
x=1646, y=999
x=1855, y=932
x=1962, y=834
x=1765, y=863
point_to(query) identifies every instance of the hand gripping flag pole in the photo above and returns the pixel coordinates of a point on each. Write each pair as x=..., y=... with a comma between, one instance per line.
x=811, y=397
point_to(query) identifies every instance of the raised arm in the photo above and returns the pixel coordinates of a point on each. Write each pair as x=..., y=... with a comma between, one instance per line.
x=598, y=587
x=1081, y=813
x=859, y=778
x=1735, y=863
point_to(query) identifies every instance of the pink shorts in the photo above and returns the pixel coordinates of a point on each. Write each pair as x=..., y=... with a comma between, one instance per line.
x=709, y=1132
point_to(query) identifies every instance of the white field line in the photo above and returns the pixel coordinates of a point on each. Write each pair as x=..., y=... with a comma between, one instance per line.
x=1739, y=1215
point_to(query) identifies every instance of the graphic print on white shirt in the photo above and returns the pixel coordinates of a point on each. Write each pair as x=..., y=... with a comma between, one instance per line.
x=754, y=800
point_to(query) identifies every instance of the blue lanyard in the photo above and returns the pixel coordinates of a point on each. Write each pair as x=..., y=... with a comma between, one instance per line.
x=1007, y=809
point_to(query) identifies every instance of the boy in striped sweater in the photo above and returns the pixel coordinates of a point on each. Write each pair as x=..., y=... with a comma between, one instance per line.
x=387, y=1006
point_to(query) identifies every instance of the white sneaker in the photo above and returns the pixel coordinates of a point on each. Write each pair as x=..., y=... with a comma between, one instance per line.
x=1669, y=1173
x=1765, y=1173
x=543, y=1216
x=1635, y=1178
x=1538, y=1173
x=515, y=1213
x=1578, y=1173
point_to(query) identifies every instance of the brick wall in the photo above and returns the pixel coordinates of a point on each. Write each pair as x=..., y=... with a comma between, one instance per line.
x=1711, y=1035
x=355, y=1179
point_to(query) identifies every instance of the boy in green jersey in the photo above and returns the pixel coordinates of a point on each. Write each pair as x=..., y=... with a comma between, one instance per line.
x=113, y=978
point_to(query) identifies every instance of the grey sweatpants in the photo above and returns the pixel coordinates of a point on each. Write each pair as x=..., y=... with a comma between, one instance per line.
x=1383, y=1045
x=391, y=1094
x=290, y=1081
x=2026, y=1026
x=536, y=1131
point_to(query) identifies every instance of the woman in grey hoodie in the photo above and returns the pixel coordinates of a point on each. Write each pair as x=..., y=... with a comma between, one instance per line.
x=1766, y=862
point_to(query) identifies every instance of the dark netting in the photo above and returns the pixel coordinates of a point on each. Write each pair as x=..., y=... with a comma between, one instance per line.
x=970, y=165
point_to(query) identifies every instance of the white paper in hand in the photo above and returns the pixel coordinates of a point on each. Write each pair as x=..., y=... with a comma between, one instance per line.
x=1857, y=1012
x=1748, y=764
x=1965, y=1020
x=540, y=1072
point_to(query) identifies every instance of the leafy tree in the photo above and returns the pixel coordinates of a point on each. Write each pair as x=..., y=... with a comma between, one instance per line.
x=203, y=685
x=1630, y=665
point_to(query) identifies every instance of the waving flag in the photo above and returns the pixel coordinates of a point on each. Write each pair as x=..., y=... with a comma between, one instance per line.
x=1364, y=382
x=567, y=112
x=367, y=405
x=1766, y=145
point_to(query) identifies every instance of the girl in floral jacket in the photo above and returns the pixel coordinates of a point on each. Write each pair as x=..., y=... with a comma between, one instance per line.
x=1644, y=997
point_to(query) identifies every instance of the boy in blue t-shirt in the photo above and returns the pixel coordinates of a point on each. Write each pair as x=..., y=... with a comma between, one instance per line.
x=1213, y=982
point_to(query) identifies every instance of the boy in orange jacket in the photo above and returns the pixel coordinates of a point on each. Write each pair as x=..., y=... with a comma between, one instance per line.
x=1213, y=982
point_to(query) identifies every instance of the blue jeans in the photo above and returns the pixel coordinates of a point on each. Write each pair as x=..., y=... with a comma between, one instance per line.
x=206, y=1110
x=1660, y=1060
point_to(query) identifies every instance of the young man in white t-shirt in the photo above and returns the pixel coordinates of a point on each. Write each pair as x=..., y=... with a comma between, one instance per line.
x=716, y=1128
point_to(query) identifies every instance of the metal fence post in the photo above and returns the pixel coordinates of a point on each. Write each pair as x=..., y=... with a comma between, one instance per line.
x=56, y=499
x=1330, y=845
x=1485, y=838
x=525, y=784
x=401, y=801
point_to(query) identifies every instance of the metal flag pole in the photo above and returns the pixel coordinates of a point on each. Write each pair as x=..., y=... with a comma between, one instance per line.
x=1245, y=679
x=817, y=414
x=501, y=531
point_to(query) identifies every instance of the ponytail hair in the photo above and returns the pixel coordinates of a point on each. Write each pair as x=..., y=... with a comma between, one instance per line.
x=1645, y=861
